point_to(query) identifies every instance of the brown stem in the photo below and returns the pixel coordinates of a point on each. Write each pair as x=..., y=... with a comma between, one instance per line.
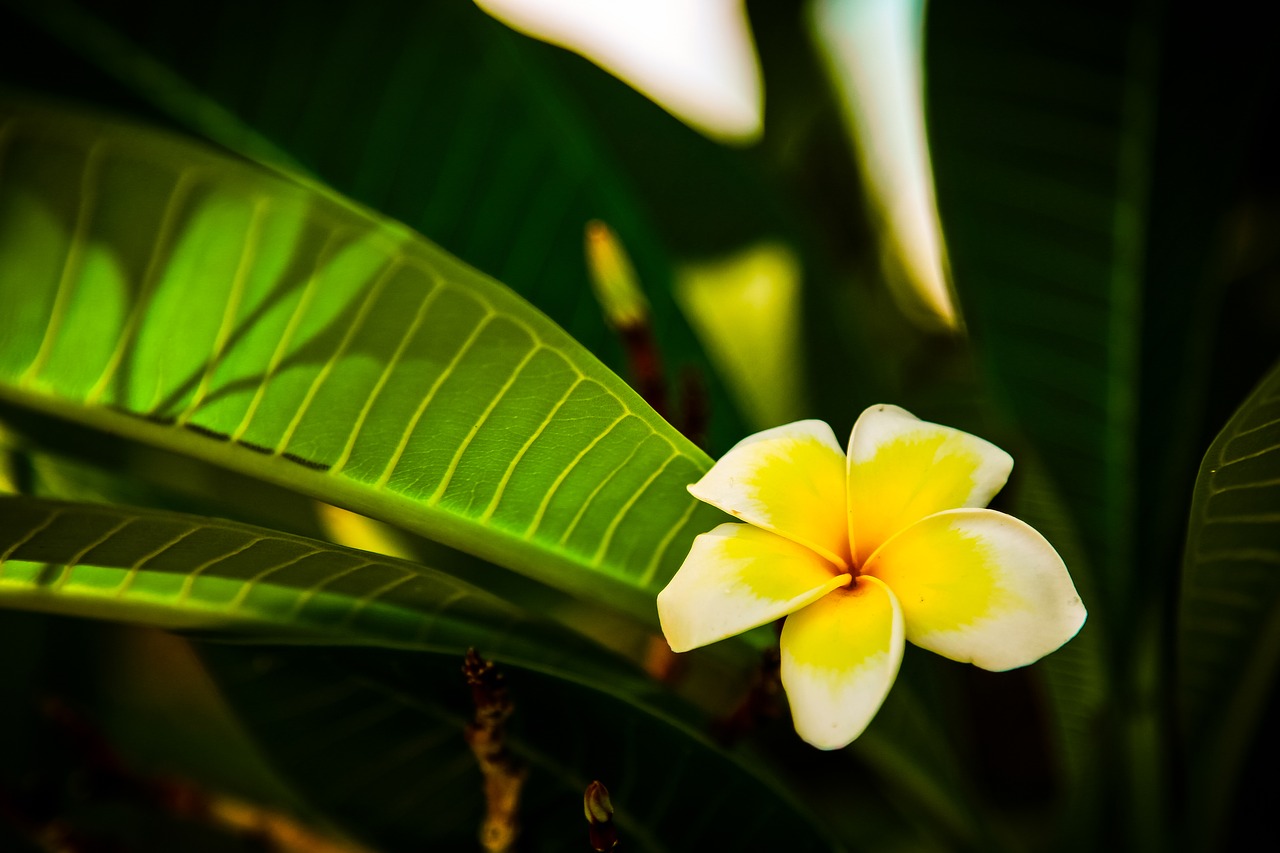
x=645, y=363
x=503, y=775
x=694, y=410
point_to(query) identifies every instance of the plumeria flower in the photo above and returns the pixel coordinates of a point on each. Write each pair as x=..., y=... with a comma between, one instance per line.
x=860, y=553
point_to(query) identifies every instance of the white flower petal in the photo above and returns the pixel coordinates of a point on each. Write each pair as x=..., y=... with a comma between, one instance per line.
x=735, y=578
x=902, y=469
x=789, y=480
x=840, y=656
x=981, y=586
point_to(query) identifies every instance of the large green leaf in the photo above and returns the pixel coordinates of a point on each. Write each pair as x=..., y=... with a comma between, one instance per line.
x=162, y=293
x=588, y=713
x=346, y=345
x=440, y=116
x=1083, y=188
x=1229, y=618
x=234, y=580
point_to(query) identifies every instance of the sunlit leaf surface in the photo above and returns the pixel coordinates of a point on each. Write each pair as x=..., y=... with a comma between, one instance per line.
x=163, y=293
x=433, y=113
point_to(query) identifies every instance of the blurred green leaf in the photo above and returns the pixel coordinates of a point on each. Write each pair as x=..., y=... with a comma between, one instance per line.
x=908, y=747
x=1042, y=131
x=1084, y=155
x=183, y=300
x=1077, y=675
x=1229, y=615
x=1041, y=125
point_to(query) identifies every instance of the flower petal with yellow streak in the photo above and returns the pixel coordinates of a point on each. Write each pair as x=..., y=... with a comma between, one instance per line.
x=789, y=480
x=738, y=577
x=980, y=586
x=840, y=656
x=902, y=469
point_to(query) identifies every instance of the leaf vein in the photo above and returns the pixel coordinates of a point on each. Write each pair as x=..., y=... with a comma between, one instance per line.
x=70, y=262
x=626, y=508
x=353, y=328
x=524, y=448
x=286, y=338
x=479, y=423
x=409, y=334
x=426, y=400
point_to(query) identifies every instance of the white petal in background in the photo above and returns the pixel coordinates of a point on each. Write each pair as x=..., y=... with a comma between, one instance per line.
x=694, y=58
x=874, y=51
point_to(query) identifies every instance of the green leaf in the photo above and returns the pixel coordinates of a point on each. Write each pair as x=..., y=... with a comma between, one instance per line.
x=177, y=298
x=174, y=570
x=1039, y=151
x=1084, y=155
x=1077, y=677
x=1042, y=132
x=394, y=767
x=1229, y=615
x=908, y=747
x=236, y=581
x=486, y=141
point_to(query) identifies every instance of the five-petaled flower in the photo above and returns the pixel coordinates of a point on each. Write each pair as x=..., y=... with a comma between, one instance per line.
x=890, y=543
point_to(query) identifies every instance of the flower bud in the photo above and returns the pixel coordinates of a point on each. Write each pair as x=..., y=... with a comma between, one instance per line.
x=613, y=279
x=599, y=811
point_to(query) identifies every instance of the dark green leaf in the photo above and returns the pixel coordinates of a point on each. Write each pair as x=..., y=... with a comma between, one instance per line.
x=1229, y=619
x=1040, y=124
x=376, y=740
